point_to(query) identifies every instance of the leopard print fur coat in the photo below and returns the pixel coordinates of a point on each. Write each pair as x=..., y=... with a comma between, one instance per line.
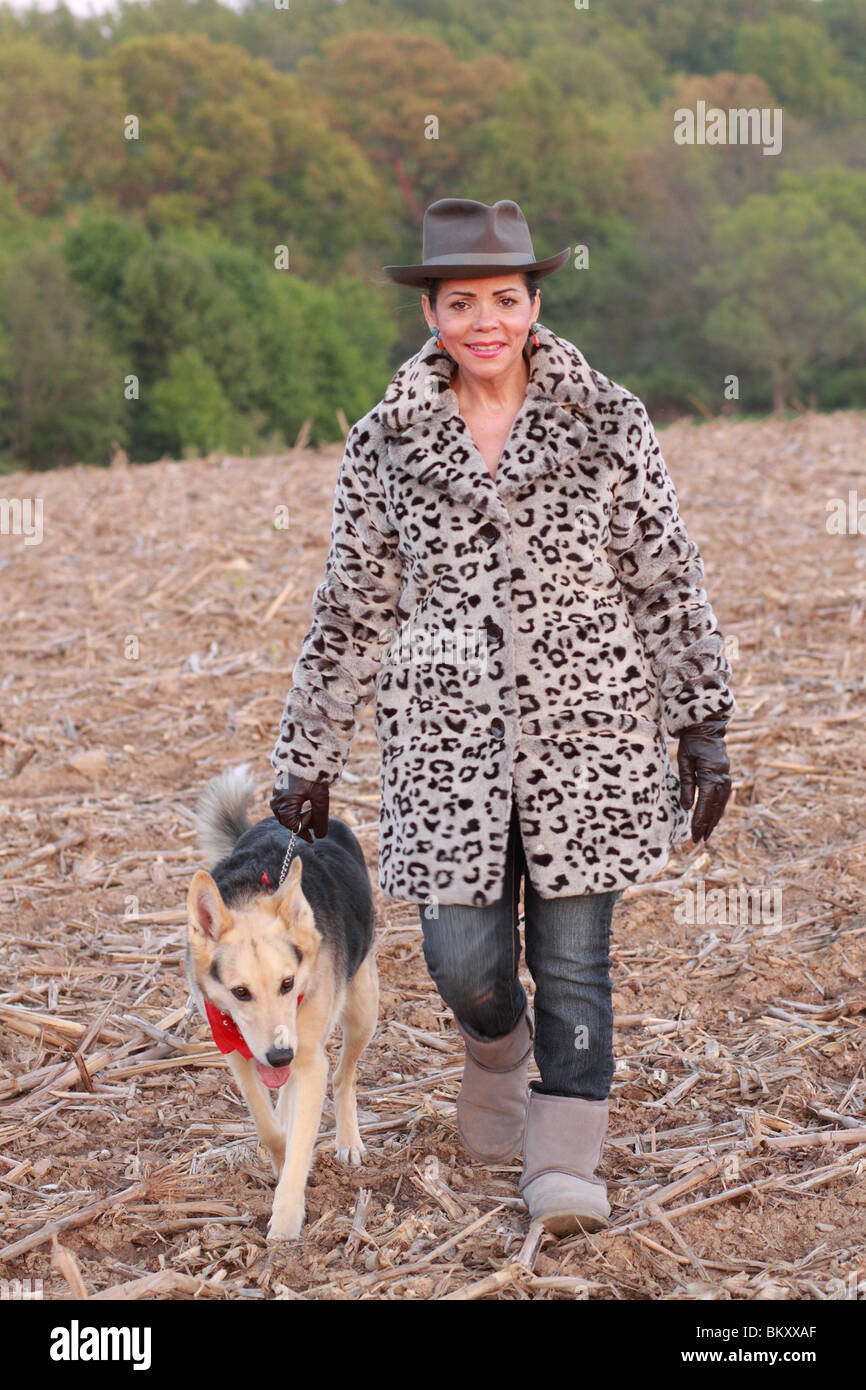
x=526, y=636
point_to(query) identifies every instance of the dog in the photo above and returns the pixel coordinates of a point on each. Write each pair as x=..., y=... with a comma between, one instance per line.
x=282, y=965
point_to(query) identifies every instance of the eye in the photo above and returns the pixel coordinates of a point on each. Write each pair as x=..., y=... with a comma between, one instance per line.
x=241, y=992
x=288, y=985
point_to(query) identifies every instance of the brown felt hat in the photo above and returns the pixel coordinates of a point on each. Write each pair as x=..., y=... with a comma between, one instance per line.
x=462, y=237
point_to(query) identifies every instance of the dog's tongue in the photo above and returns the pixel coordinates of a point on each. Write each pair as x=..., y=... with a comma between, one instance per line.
x=273, y=1076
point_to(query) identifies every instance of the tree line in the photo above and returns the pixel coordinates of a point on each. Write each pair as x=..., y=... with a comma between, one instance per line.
x=195, y=204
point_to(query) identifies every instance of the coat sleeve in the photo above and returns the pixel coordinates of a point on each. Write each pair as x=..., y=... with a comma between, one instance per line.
x=354, y=614
x=662, y=575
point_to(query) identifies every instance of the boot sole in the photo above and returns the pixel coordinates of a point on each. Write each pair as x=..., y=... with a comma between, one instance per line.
x=568, y=1223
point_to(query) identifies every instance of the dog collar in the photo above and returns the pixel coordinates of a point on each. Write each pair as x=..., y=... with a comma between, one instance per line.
x=226, y=1033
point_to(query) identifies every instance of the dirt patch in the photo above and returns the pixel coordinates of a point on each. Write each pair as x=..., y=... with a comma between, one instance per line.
x=150, y=638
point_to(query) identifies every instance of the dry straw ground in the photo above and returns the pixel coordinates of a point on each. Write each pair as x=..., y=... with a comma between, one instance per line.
x=736, y=1162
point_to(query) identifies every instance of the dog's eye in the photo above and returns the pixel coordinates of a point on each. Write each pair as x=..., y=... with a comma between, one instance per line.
x=288, y=985
x=241, y=992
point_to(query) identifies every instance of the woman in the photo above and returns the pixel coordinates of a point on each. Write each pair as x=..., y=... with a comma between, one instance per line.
x=507, y=509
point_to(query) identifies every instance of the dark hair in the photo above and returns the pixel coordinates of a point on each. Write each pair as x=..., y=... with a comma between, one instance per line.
x=432, y=286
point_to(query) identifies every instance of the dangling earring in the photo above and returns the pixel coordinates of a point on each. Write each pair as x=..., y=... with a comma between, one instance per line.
x=439, y=343
x=535, y=328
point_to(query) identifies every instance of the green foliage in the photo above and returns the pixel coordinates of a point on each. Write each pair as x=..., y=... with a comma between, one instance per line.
x=97, y=253
x=841, y=389
x=54, y=114
x=189, y=410
x=62, y=387
x=172, y=148
x=172, y=299
x=790, y=287
x=673, y=392
x=840, y=192
x=796, y=62
x=224, y=139
x=330, y=353
x=263, y=346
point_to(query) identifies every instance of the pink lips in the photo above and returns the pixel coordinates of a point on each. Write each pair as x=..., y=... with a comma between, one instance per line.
x=489, y=348
x=273, y=1076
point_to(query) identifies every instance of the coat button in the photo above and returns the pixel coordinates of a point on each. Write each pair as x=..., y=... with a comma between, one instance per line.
x=497, y=729
x=494, y=636
x=489, y=533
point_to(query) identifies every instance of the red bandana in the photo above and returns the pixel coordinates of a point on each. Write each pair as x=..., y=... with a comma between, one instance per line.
x=226, y=1034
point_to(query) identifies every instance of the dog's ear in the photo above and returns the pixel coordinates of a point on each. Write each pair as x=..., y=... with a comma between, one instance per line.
x=207, y=913
x=294, y=910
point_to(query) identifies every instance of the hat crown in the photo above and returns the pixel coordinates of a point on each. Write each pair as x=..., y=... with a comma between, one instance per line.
x=456, y=228
x=463, y=237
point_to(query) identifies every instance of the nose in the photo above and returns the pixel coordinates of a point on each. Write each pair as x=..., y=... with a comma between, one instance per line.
x=280, y=1056
x=484, y=316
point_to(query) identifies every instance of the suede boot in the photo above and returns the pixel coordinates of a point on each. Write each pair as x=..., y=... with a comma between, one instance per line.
x=491, y=1106
x=563, y=1143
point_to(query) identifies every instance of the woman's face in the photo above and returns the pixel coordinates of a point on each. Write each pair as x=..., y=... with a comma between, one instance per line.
x=483, y=323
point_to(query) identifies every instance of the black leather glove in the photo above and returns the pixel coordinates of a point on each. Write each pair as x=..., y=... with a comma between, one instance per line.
x=286, y=805
x=703, y=760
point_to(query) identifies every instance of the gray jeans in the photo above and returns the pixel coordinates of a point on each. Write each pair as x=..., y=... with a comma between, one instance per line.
x=473, y=954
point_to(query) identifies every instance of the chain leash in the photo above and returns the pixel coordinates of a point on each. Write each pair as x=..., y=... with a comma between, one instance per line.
x=285, y=869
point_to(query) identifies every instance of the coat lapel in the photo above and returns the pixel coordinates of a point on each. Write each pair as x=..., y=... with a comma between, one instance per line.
x=428, y=437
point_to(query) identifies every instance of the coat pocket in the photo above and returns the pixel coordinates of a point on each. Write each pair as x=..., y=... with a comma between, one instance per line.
x=602, y=801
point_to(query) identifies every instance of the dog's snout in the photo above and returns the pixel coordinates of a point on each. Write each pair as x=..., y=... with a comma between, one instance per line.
x=280, y=1056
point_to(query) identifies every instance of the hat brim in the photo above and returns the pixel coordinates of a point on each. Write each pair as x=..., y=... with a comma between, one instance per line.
x=416, y=275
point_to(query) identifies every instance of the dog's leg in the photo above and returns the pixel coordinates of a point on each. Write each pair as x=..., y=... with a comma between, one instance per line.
x=311, y=1083
x=360, y=1014
x=286, y=1109
x=259, y=1101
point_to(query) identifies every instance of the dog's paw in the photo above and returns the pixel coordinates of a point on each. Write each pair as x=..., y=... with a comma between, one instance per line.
x=285, y=1224
x=352, y=1154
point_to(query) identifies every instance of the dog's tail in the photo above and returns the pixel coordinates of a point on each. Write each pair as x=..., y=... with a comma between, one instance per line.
x=221, y=815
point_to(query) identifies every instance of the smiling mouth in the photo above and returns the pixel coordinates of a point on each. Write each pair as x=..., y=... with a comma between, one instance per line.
x=485, y=349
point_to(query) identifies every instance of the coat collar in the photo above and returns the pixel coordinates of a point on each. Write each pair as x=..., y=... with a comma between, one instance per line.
x=428, y=436
x=421, y=388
